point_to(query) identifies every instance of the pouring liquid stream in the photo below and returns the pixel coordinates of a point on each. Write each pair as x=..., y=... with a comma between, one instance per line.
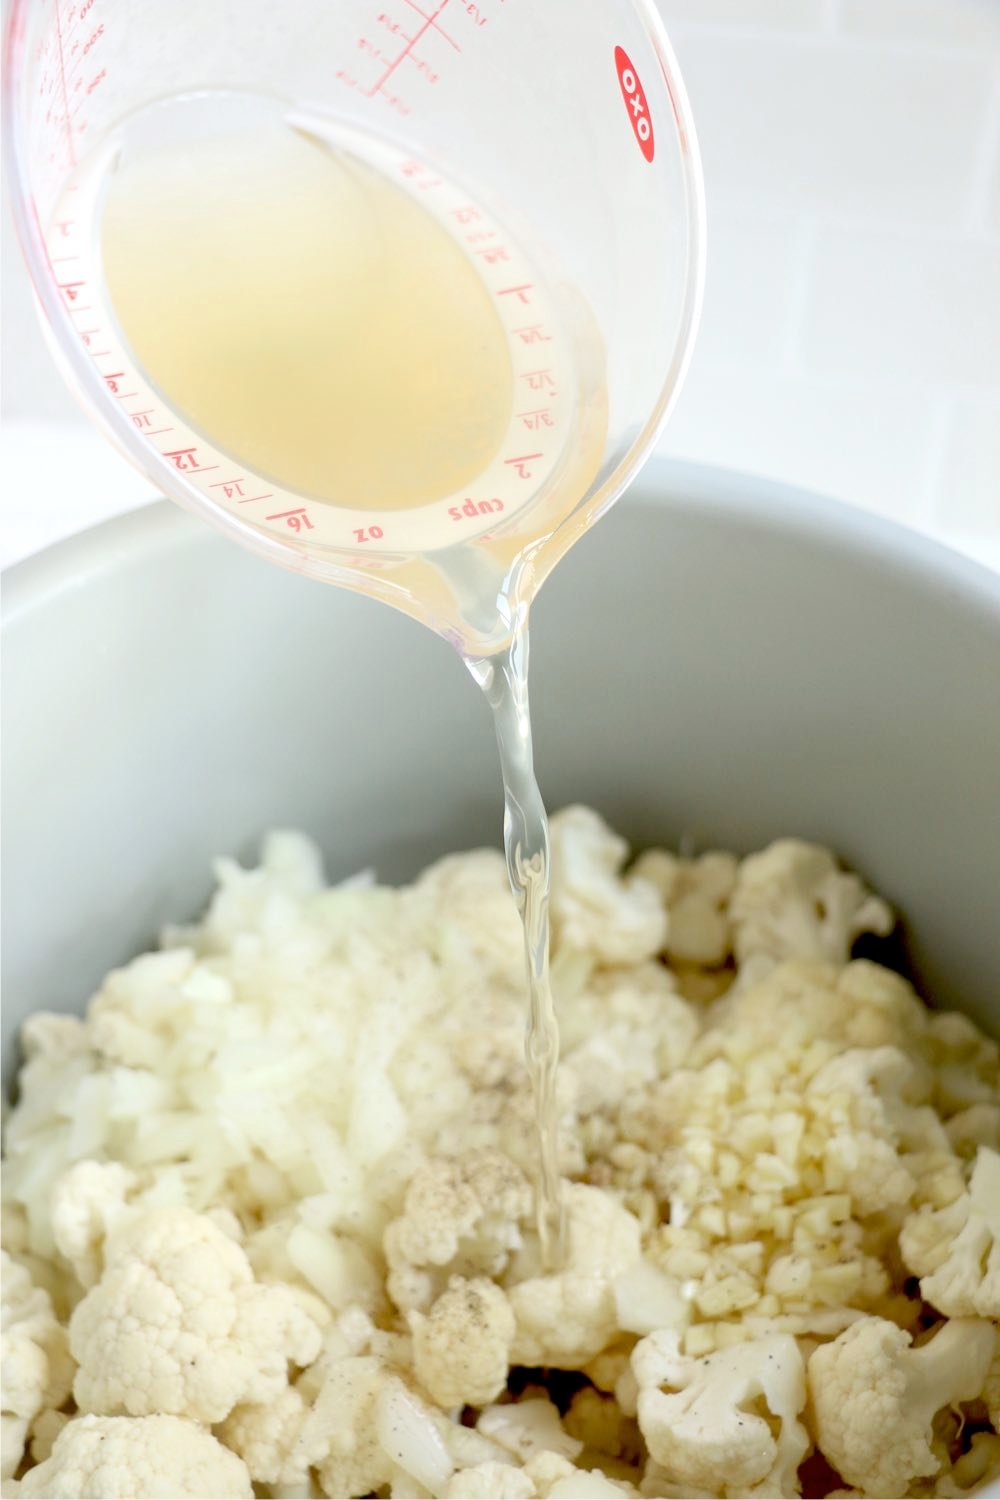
x=376, y=371
x=504, y=680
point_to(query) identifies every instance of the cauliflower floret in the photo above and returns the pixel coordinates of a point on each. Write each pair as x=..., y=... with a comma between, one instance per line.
x=87, y=1202
x=594, y=909
x=463, y=1216
x=365, y=1426
x=490, y=1481
x=966, y=1063
x=341, y=1423
x=956, y=1250
x=473, y=889
x=793, y=901
x=584, y=1484
x=269, y=1437
x=137, y=1458
x=706, y=1428
x=529, y=1428
x=566, y=1319
x=860, y=1096
x=874, y=1398
x=461, y=1350
x=544, y=1475
x=621, y=1031
x=178, y=1325
x=697, y=893
x=36, y=1371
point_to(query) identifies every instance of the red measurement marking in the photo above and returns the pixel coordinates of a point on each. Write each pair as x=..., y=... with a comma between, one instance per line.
x=520, y=464
x=112, y=381
x=369, y=533
x=472, y=507
x=71, y=288
x=635, y=102
x=429, y=21
x=296, y=519
x=59, y=260
x=475, y=15
x=231, y=487
x=156, y=431
x=533, y=333
x=250, y=498
x=429, y=73
x=78, y=64
x=540, y=417
x=373, y=50
x=384, y=19
x=187, y=458
x=100, y=353
x=140, y=418
x=466, y=214
x=539, y=380
x=439, y=29
x=62, y=82
x=520, y=292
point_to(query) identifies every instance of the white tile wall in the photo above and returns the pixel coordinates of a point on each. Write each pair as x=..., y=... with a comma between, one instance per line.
x=834, y=126
x=851, y=336
x=964, y=23
x=966, y=490
x=917, y=310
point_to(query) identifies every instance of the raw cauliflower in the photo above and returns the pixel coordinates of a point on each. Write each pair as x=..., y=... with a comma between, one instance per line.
x=137, y=1458
x=465, y=1215
x=87, y=1201
x=793, y=901
x=955, y=1250
x=462, y=1348
x=727, y=1424
x=177, y=1325
x=567, y=1318
x=874, y=1397
x=275, y=1193
x=36, y=1369
x=594, y=908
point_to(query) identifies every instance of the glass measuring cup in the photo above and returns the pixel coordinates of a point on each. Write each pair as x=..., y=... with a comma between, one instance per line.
x=553, y=140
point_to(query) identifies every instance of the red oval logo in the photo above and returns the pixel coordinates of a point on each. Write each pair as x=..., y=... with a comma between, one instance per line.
x=635, y=102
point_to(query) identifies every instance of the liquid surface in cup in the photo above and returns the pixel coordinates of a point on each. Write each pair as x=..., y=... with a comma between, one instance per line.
x=366, y=358
x=339, y=348
x=308, y=316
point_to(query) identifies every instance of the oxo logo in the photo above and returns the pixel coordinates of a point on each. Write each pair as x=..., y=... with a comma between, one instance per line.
x=635, y=102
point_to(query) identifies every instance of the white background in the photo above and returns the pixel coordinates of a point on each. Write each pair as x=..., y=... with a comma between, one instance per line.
x=851, y=337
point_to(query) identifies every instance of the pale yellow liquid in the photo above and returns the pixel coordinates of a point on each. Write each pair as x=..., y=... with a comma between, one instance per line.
x=315, y=321
x=307, y=316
